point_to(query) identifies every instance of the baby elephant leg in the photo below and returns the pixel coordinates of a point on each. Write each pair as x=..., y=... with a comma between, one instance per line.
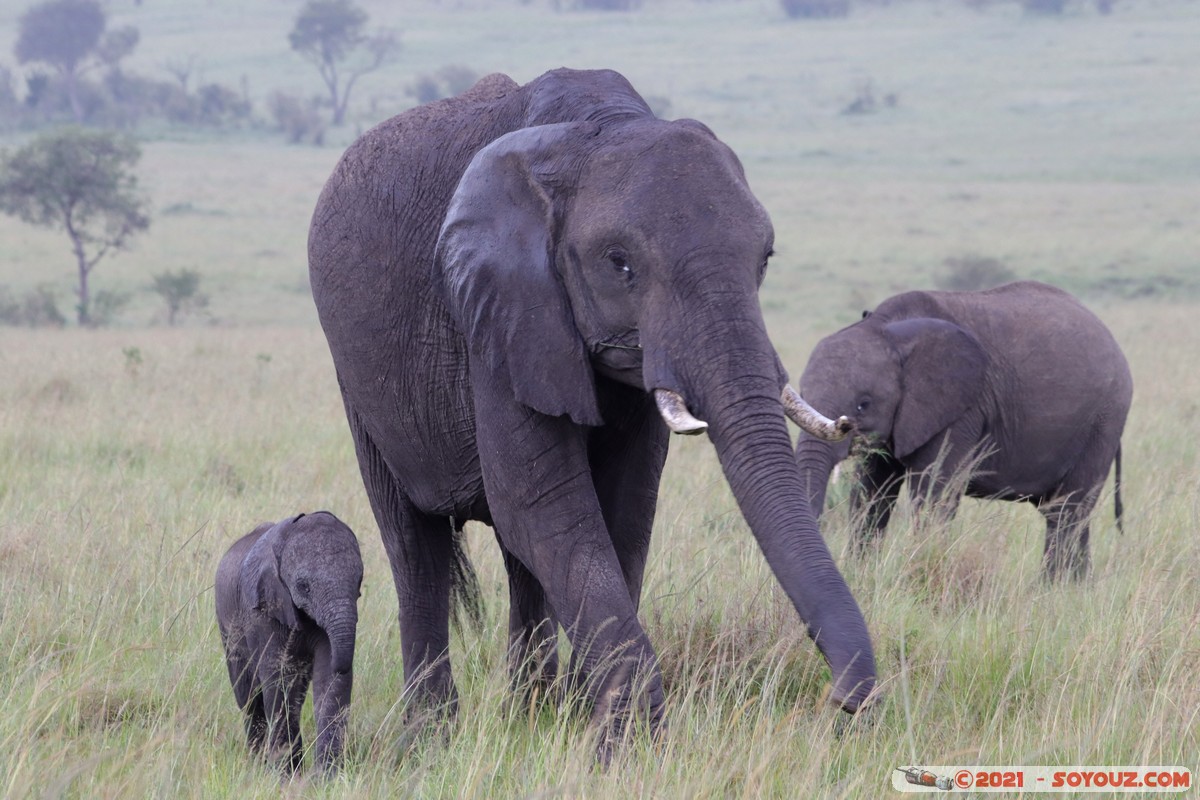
x=331, y=707
x=283, y=690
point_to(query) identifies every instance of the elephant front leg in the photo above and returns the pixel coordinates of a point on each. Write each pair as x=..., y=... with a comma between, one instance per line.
x=544, y=503
x=284, y=685
x=878, y=481
x=331, y=707
x=626, y=457
x=940, y=472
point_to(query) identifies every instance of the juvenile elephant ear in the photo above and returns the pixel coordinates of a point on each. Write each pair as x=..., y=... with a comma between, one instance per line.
x=262, y=588
x=942, y=374
x=496, y=256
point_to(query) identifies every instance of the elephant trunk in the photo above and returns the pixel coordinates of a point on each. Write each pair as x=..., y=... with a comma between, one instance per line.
x=739, y=395
x=816, y=459
x=340, y=628
x=332, y=706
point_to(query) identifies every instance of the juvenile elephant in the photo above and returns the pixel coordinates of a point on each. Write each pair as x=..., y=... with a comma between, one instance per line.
x=287, y=606
x=519, y=286
x=1021, y=378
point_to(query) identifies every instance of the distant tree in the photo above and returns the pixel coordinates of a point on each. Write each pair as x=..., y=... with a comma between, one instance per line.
x=80, y=181
x=116, y=45
x=63, y=34
x=815, y=9
x=182, y=69
x=329, y=33
x=70, y=37
x=180, y=291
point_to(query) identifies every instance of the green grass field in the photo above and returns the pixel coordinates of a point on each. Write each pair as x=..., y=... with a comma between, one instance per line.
x=130, y=457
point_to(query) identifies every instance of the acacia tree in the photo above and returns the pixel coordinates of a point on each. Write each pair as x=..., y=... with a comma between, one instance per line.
x=63, y=34
x=82, y=182
x=329, y=33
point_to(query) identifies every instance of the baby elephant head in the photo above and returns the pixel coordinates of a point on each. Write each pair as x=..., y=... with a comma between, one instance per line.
x=901, y=382
x=304, y=571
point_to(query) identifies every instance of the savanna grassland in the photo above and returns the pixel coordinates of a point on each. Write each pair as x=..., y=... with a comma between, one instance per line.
x=131, y=456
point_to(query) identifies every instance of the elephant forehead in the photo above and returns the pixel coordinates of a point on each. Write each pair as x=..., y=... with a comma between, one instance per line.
x=323, y=551
x=645, y=156
x=703, y=200
x=849, y=355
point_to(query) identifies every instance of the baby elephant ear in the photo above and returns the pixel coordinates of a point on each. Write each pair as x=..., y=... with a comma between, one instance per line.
x=496, y=257
x=262, y=588
x=942, y=374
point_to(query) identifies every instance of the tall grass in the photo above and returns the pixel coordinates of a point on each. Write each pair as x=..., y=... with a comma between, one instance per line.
x=122, y=483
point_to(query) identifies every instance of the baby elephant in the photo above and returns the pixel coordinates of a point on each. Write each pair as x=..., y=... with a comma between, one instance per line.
x=1021, y=383
x=287, y=605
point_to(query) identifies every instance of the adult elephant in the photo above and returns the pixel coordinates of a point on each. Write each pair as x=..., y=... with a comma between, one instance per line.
x=1021, y=384
x=513, y=283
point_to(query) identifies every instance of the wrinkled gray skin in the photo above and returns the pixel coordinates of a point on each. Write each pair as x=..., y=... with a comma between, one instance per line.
x=1022, y=376
x=503, y=277
x=287, y=606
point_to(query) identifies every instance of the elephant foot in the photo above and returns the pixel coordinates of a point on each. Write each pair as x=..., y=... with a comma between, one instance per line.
x=1068, y=562
x=631, y=704
x=287, y=757
x=533, y=670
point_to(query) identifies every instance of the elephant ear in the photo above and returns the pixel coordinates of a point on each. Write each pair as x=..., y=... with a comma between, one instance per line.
x=942, y=371
x=496, y=256
x=262, y=588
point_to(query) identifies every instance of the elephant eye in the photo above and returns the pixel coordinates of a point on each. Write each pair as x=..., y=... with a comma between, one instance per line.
x=619, y=259
x=863, y=405
x=303, y=587
x=762, y=268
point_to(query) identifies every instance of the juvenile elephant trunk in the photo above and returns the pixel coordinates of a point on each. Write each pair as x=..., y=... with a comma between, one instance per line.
x=739, y=396
x=341, y=632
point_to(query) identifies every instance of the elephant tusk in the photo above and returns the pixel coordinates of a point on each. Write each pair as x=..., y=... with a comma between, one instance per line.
x=674, y=412
x=809, y=419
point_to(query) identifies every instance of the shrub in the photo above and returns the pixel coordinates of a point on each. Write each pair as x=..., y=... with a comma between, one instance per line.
x=106, y=305
x=865, y=101
x=450, y=80
x=972, y=273
x=37, y=308
x=815, y=9
x=219, y=105
x=608, y=5
x=1044, y=6
x=180, y=291
x=299, y=121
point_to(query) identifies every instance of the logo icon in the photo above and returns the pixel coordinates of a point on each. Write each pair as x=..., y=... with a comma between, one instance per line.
x=923, y=777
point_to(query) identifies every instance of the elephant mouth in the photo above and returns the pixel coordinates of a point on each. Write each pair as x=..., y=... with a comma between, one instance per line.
x=626, y=340
x=620, y=356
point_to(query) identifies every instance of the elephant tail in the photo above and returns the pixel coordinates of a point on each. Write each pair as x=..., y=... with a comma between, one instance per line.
x=1118, y=506
x=464, y=583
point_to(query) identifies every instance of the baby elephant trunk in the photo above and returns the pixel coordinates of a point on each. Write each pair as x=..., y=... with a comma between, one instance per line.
x=341, y=630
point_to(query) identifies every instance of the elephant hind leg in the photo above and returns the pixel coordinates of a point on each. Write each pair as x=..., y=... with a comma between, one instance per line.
x=420, y=550
x=247, y=694
x=255, y=718
x=1068, y=510
x=532, y=629
x=1067, y=534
